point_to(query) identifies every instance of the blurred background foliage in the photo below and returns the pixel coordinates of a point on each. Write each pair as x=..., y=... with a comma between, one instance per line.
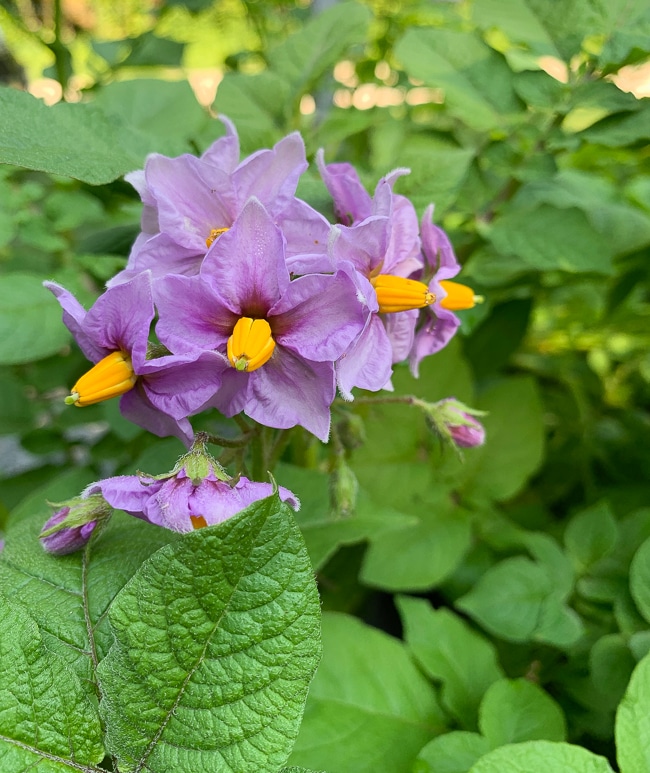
x=516, y=579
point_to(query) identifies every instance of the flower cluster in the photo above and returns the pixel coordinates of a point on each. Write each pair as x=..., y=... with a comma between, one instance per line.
x=197, y=493
x=261, y=305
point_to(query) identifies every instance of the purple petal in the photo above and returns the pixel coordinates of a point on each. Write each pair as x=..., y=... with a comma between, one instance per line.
x=233, y=395
x=307, y=235
x=364, y=244
x=436, y=334
x=318, y=316
x=367, y=364
x=272, y=175
x=161, y=255
x=179, y=386
x=289, y=390
x=247, y=263
x=224, y=152
x=136, y=407
x=126, y=492
x=74, y=316
x=400, y=328
x=121, y=318
x=193, y=197
x=191, y=315
x=437, y=248
x=352, y=202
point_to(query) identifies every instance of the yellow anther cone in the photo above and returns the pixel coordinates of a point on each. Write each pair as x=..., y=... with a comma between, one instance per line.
x=214, y=234
x=458, y=296
x=251, y=344
x=110, y=377
x=395, y=293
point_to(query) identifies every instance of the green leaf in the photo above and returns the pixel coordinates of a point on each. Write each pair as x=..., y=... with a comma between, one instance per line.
x=74, y=140
x=30, y=320
x=422, y=555
x=476, y=81
x=438, y=169
x=451, y=652
x=67, y=594
x=591, y=535
x=321, y=528
x=305, y=56
x=519, y=21
x=508, y=598
x=369, y=709
x=548, y=238
x=640, y=579
x=541, y=757
x=255, y=103
x=514, y=447
x=162, y=116
x=632, y=729
x=453, y=752
x=216, y=641
x=611, y=664
x=516, y=710
x=620, y=130
x=45, y=717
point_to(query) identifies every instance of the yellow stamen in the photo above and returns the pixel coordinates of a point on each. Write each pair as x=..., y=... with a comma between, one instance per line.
x=110, y=377
x=395, y=293
x=198, y=522
x=251, y=344
x=214, y=234
x=458, y=296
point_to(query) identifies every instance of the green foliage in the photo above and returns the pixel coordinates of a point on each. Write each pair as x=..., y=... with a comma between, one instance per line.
x=369, y=708
x=530, y=556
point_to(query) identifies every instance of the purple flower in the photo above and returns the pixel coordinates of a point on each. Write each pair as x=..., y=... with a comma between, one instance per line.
x=157, y=394
x=382, y=242
x=72, y=525
x=195, y=494
x=281, y=336
x=441, y=323
x=456, y=421
x=190, y=202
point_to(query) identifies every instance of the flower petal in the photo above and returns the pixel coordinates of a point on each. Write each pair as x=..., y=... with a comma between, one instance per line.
x=74, y=316
x=136, y=407
x=367, y=364
x=246, y=264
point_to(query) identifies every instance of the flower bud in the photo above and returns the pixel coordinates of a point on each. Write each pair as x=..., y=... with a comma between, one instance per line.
x=458, y=423
x=72, y=525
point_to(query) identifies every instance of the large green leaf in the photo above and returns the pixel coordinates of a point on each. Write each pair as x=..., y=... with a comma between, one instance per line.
x=515, y=710
x=515, y=440
x=216, y=641
x=476, y=81
x=450, y=651
x=306, y=55
x=68, y=595
x=632, y=729
x=541, y=757
x=162, y=116
x=74, y=140
x=421, y=555
x=323, y=530
x=453, y=752
x=640, y=579
x=519, y=600
x=46, y=718
x=548, y=238
x=369, y=709
x=30, y=320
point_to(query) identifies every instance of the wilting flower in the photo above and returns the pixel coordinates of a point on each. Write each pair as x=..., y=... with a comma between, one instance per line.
x=441, y=323
x=157, y=394
x=279, y=338
x=455, y=421
x=73, y=524
x=196, y=493
x=189, y=202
